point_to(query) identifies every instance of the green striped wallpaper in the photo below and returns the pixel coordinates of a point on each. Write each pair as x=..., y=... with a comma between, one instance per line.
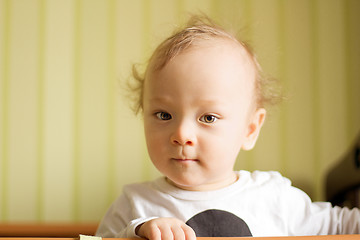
x=68, y=141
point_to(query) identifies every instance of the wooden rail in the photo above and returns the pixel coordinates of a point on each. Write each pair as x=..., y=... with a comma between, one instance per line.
x=329, y=237
x=66, y=230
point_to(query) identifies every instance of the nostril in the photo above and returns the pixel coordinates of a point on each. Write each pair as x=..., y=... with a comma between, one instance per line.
x=175, y=141
x=182, y=143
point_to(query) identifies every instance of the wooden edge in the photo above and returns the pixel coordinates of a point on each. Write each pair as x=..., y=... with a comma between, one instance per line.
x=322, y=237
x=47, y=230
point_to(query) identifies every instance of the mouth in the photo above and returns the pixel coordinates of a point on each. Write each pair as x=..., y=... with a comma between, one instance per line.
x=184, y=160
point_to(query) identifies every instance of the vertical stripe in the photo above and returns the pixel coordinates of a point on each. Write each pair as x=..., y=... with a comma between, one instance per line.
x=4, y=101
x=40, y=126
x=282, y=66
x=215, y=10
x=354, y=51
x=111, y=99
x=348, y=70
x=248, y=16
x=146, y=29
x=77, y=120
x=314, y=93
x=179, y=10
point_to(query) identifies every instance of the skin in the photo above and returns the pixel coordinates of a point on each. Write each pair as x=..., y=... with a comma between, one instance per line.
x=199, y=112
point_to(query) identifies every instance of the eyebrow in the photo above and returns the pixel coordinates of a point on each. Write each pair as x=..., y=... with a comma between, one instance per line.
x=160, y=99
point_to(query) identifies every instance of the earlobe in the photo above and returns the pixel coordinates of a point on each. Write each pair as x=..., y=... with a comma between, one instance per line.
x=254, y=129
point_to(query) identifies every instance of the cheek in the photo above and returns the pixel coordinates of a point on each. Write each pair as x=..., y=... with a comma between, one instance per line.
x=149, y=137
x=154, y=140
x=229, y=140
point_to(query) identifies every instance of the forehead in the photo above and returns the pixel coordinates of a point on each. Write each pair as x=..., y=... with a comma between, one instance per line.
x=208, y=61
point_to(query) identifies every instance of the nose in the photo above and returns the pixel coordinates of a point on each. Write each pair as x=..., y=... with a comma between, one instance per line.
x=183, y=134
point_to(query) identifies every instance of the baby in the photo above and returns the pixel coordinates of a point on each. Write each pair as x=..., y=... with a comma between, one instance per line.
x=202, y=99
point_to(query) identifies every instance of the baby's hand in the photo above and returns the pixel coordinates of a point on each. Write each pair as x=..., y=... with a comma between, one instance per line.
x=166, y=229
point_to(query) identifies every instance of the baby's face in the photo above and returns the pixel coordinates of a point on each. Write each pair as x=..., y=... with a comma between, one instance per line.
x=197, y=115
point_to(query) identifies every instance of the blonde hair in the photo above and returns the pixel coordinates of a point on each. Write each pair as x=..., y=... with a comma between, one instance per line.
x=197, y=29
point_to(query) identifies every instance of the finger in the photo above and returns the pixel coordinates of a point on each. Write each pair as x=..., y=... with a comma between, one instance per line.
x=178, y=232
x=189, y=232
x=154, y=233
x=166, y=232
x=150, y=231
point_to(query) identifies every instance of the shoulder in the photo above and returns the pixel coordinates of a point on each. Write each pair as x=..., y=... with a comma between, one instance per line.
x=272, y=185
x=264, y=177
x=263, y=180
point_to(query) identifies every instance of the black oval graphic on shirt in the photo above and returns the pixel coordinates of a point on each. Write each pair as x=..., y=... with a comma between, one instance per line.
x=218, y=223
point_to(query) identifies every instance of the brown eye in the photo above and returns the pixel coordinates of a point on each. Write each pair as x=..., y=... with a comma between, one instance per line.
x=208, y=118
x=163, y=116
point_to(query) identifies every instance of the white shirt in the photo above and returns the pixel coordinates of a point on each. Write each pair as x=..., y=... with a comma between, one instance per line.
x=265, y=201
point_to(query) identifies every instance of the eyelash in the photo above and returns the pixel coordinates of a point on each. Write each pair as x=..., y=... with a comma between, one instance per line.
x=164, y=116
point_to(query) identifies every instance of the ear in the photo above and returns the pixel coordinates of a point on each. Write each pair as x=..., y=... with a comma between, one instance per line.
x=254, y=128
